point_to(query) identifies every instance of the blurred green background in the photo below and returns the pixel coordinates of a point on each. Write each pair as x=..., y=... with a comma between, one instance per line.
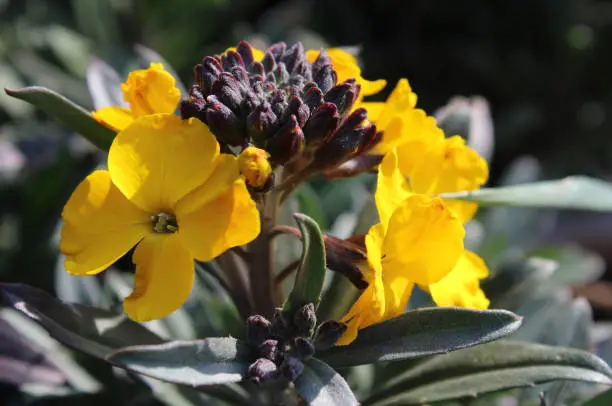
x=543, y=66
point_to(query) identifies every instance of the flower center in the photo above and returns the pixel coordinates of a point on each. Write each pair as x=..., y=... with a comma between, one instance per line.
x=164, y=223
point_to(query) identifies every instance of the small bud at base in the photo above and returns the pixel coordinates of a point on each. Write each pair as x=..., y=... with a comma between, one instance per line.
x=305, y=319
x=328, y=334
x=303, y=347
x=254, y=166
x=262, y=370
x=258, y=329
x=292, y=368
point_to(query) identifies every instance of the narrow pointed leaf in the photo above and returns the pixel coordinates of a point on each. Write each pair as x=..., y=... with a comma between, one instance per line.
x=573, y=192
x=311, y=271
x=320, y=385
x=488, y=368
x=96, y=332
x=67, y=113
x=209, y=361
x=422, y=332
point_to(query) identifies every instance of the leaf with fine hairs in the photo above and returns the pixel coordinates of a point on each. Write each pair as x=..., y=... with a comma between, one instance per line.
x=423, y=332
x=320, y=385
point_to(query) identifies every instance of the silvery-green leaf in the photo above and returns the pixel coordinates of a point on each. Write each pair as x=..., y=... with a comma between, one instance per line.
x=67, y=113
x=320, y=385
x=104, y=85
x=573, y=192
x=487, y=368
x=209, y=361
x=423, y=332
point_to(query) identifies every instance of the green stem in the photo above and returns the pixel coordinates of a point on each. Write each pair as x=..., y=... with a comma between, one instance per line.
x=263, y=287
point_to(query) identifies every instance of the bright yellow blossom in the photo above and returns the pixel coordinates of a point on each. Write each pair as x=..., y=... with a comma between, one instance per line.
x=169, y=192
x=418, y=241
x=147, y=91
x=443, y=170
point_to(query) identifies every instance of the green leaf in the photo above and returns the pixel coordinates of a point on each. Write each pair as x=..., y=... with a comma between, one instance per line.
x=573, y=192
x=422, y=332
x=603, y=399
x=311, y=272
x=209, y=361
x=96, y=332
x=66, y=112
x=320, y=385
x=488, y=368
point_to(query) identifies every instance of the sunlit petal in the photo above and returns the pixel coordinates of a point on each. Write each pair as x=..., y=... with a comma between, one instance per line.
x=461, y=286
x=158, y=159
x=100, y=225
x=423, y=241
x=164, y=277
x=150, y=91
x=229, y=220
x=113, y=117
x=391, y=188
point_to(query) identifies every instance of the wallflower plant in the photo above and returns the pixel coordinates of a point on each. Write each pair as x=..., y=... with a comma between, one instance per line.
x=196, y=185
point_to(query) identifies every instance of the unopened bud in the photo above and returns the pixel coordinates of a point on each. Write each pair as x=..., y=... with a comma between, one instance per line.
x=269, y=349
x=258, y=329
x=255, y=167
x=305, y=320
x=328, y=334
x=223, y=122
x=286, y=143
x=262, y=370
x=291, y=368
x=303, y=347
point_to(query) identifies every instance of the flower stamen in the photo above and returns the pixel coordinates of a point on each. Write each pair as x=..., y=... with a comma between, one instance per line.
x=164, y=223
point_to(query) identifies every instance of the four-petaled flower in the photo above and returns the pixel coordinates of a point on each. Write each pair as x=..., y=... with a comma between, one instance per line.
x=169, y=192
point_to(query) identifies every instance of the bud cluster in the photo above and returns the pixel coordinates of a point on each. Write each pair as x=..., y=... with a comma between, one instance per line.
x=292, y=108
x=283, y=343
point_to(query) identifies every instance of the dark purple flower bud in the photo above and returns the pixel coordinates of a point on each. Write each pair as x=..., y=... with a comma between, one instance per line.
x=286, y=143
x=277, y=50
x=298, y=109
x=269, y=349
x=261, y=123
x=343, y=96
x=268, y=62
x=322, y=124
x=262, y=370
x=227, y=91
x=246, y=52
x=207, y=73
x=305, y=320
x=279, y=103
x=231, y=59
x=303, y=347
x=291, y=368
x=328, y=333
x=258, y=329
x=281, y=73
x=343, y=257
x=313, y=97
x=223, y=122
x=257, y=68
x=323, y=59
x=325, y=78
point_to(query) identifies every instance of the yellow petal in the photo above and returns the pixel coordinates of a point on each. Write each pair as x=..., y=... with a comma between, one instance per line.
x=374, y=110
x=100, y=225
x=227, y=221
x=222, y=178
x=113, y=117
x=164, y=277
x=423, y=241
x=150, y=91
x=450, y=167
x=401, y=100
x=461, y=286
x=160, y=158
x=391, y=188
x=370, y=306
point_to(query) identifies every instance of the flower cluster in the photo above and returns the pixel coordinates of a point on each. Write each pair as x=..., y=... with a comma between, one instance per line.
x=254, y=122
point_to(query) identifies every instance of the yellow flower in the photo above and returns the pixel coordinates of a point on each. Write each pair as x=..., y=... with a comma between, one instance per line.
x=254, y=166
x=418, y=241
x=165, y=178
x=346, y=67
x=451, y=168
x=148, y=91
